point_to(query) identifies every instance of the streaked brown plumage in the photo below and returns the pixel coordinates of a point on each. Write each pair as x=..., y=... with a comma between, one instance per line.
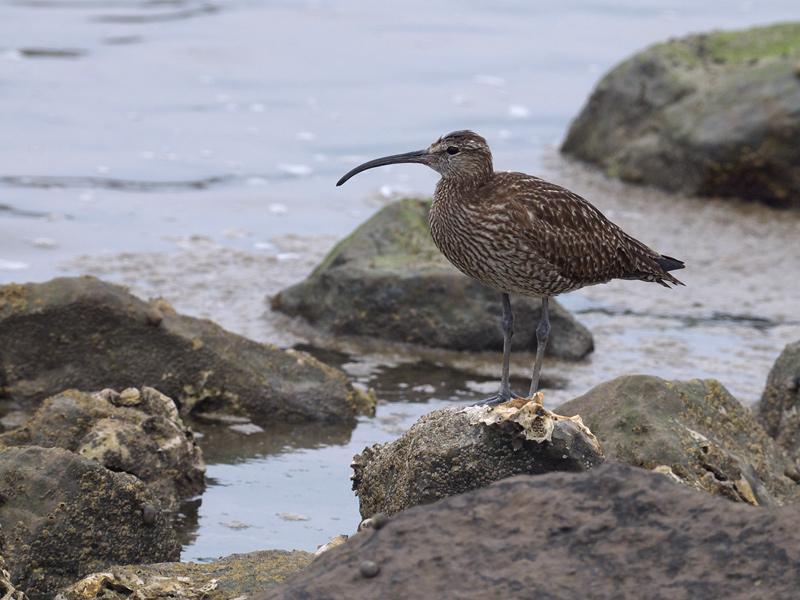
x=520, y=234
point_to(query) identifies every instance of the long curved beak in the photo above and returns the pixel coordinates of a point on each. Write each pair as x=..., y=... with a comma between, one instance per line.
x=418, y=156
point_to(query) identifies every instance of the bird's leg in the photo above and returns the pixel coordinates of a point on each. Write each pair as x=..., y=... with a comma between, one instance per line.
x=542, y=333
x=505, y=392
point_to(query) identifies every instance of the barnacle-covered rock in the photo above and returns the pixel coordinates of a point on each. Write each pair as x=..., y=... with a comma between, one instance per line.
x=63, y=516
x=136, y=431
x=451, y=451
x=87, y=334
x=235, y=576
x=693, y=430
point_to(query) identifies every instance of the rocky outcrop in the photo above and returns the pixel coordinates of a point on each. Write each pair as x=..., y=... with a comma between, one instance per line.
x=694, y=431
x=713, y=114
x=613, y=532
x=388, y=280
x=86, y=334
x=779, y=408
x=63, y=516
x=136, y=431
x=451, y=451
x=236, y=576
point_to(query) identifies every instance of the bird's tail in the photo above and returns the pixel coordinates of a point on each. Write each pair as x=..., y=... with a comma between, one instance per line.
x=669, y=264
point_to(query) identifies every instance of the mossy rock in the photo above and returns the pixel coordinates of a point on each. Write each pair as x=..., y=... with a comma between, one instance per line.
x=779, y=408
x=713, y=114
x=695, y=431
x=387, y=280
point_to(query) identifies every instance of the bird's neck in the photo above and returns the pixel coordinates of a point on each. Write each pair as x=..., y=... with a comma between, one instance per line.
x=461, y=186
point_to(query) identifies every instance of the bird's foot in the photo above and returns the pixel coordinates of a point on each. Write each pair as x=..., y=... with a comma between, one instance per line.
x=498, y=398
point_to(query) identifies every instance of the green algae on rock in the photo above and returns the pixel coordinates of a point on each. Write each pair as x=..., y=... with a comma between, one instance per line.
x=692, y=430
x=86, y=334
x=712, y=114
x=235, y=576
x=779, y=408
x=136, y=432
x=387, y=280
x=64, y=516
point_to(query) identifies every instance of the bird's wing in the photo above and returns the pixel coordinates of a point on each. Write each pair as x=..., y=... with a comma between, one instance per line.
x=573, y=236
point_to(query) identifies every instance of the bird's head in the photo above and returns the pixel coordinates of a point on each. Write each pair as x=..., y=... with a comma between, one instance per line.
x=457, y=155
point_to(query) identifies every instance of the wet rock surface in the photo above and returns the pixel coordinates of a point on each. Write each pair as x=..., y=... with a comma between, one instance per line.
x=779, y=408
x=136, y=431
x=712, y=114
x=87, y=334
x=694, y=431
x=64, y=516
x=451, y=451
x=613, y=532
x=388, y=280
x=236, y=576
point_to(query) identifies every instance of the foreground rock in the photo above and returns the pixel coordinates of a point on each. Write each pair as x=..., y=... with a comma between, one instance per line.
x=63, y=517
x=614, y=532
x=136, y=432
x=779, y=408
x=388, y=280
x=715, y=114
x=7, y=589
x=451, y=451
x=86, y=334
x=694, y=430
x=236, y=576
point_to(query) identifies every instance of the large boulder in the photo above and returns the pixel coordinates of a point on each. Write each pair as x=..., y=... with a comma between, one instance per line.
x=387, y=280
x=451, y=451
x=614, y=532
x=713, y=114
x=779, y=408
x=236, y=576
x=694, y=431
x=63, y=516
x=86, y=334
x=136, y=432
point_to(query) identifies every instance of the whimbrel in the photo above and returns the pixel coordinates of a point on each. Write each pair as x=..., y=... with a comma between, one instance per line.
x=522, y=235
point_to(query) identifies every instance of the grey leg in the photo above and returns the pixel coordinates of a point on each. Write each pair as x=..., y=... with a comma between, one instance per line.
x=508, y=333
x=542, y=333
x=505, y=392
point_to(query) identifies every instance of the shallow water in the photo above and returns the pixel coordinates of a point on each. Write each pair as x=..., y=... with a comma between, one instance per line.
x=189, y=148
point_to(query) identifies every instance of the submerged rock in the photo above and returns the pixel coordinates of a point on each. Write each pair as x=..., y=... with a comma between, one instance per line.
x=387, y=280
x=236, y=576
x=64, y=516
x=712, y=114
x=779, y=408
x=613, y=532
x=136, y=432
x=694, y=431
x=451, y=451
x=87, y=334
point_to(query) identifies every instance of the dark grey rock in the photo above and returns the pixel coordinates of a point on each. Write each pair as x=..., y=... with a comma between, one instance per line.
x=779, y=408
x=63, y=517
x=696, y=431
x=443, y=454
x=136, y=432
x=387, y=280
x=613, y=532
x=86, y=334
x=712, y=114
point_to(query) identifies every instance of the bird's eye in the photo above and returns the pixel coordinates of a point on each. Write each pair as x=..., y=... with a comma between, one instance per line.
x=452, y=150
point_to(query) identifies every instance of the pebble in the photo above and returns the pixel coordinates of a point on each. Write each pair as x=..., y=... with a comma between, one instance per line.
x=129, y=397
x=149, y=514
x=369, y=568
